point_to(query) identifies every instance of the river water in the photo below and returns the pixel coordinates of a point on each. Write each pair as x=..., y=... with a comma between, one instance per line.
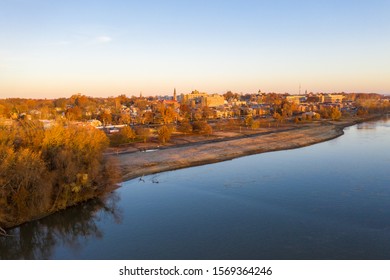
x=326, y=201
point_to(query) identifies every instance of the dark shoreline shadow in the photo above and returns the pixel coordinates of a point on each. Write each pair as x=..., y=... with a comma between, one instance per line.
x=72, y=227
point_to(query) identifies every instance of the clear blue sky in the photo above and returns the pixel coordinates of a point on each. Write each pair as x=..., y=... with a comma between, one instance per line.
x=109, y=47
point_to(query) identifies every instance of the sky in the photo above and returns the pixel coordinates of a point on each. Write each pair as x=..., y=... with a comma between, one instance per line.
x=51, y=49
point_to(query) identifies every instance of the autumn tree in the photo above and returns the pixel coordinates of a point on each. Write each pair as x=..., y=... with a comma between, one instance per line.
x=143, y=133
x=202, y=127
x=105, y=117
x=236, y=111
x=248, y=121
x=148, y=117
x=125, y=135
x=197, y=114
x=287, y=109
x=141, y=104
x=325, y=113
x=335, y=114
x=185, y=127
x=207, y=113
x=232, y=124
x=74, y=155
x=60, y=103
x=128, y=133
x=42, y=171
x=167, y=114
x=362, y=112
x=125, y=119
x=25, y=185
x=81, y=101
x=185, y=111
x=164, y=134
x=277, y=117
x=74, y=114
x=255, y=124
x=228, y=95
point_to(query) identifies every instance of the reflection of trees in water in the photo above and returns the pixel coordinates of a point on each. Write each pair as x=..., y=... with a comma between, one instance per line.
x=383, y=122
x=367, y=125
x=38, y=239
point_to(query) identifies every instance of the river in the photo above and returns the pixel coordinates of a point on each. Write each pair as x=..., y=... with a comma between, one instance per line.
x=326, y=201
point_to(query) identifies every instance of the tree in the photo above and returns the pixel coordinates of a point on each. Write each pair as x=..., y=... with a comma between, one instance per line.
x=125, y=135
x=167, y=113
x=128, y=133
x=81, y=101
x=74, y=155
x=24, y=180
x=185, y=110
x=361, y=112
x=207, y=113
x=125, y=119
x=202, y=127
x=185, y=127
x=141, y=104
x=143, y=133
x=106, y=117
x=278, y=117
x=74, y=114
x=207, y=129
x=148, y=117
x=325, y=112
x=335, y=114
x=236, y=111
x=232, y=124
x=255, y=124
x=197, y=115
x=60, y=103
x=248, y=121
x=228, y=95
x=42, y=171
x=164, y=134
x=286, y=110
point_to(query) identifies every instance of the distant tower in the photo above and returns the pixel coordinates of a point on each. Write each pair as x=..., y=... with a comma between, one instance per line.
x=299, y=89
x=174, y=94
x=140, y=94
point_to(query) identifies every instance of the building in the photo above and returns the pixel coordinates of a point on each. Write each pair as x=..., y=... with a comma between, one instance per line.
x=297, y=99
x=202, y=99
x=213, y=100
x=332, y=98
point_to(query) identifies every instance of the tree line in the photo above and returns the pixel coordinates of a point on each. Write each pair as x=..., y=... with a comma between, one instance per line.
x=45, y=170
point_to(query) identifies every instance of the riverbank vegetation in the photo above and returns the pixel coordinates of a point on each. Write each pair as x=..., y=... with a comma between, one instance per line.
x=45, y=170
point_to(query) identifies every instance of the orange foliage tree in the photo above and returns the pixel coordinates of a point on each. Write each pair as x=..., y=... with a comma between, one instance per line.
x=42, y=171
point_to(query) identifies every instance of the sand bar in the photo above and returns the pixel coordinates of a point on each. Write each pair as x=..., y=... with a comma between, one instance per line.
x=141, y=163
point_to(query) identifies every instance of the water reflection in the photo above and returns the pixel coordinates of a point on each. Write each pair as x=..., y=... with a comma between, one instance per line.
x=366, y=126
x=70, y=228
x=374, y=124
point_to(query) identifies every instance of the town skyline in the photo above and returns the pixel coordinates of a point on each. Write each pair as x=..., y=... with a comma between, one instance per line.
x=106, y=48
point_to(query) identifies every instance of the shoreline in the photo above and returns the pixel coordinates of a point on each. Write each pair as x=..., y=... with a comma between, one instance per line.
x=136, y=164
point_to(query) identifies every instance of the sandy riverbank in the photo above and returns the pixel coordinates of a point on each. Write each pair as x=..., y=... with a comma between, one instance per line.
x=136, y=164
